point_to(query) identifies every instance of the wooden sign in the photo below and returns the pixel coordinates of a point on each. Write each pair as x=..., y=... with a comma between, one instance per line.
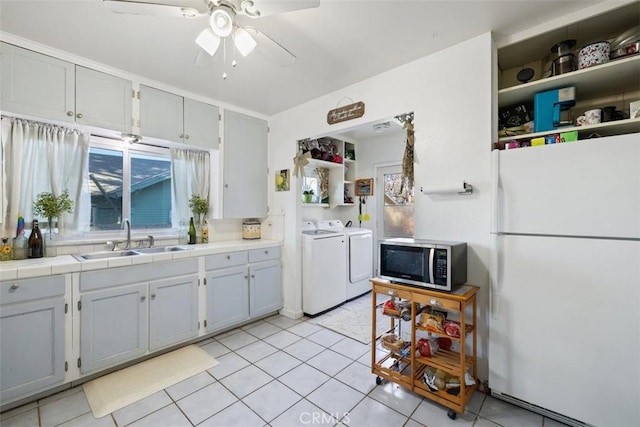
x=348, y=112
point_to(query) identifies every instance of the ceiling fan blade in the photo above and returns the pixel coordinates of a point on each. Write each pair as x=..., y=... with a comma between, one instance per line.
x=271, y=48
x=259, y=8
x=184, y=9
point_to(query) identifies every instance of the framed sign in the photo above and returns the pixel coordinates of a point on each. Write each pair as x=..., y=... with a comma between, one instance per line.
x=348, y=112
x=364, y=187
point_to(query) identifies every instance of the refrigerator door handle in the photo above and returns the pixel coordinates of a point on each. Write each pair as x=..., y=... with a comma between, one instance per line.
x=494, y=276
x=495, y=187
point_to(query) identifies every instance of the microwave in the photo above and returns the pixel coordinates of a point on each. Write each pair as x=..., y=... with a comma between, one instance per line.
x=438, y=265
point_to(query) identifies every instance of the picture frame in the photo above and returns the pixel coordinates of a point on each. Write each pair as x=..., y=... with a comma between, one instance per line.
x=364, y=187
x=282, y=180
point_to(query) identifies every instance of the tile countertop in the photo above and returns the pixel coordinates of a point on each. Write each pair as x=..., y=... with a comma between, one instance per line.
x=22, y=269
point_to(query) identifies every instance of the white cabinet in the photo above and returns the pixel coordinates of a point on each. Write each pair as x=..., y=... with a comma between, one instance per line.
x=113, y=326
x=245, y=176
x=45, y=87
x=242, y=285
x=265, y=294
x=171, y=117
x=32, y=336
x=173, y=311
x=127, y=312
x=103, y=100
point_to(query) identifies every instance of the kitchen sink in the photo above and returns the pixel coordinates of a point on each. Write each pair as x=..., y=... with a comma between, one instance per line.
x=160, y=249
x=129, y=252
x=105, y=255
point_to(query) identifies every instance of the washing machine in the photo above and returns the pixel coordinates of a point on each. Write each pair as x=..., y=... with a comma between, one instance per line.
x=324, y=266
x=359, y=256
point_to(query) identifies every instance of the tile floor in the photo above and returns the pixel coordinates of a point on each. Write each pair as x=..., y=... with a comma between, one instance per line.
x=278, y=372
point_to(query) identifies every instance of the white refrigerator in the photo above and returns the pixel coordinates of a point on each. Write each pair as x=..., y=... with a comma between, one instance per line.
x=564, y=334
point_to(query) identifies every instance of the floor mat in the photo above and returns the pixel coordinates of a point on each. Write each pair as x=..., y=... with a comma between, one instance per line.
x=355, y=322
x=126, y=386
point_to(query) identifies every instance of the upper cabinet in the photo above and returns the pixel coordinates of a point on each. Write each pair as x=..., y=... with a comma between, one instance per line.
x=330, y=173
x=612, y=80
x=245, y=176
x=42, y=86
x=171, y=117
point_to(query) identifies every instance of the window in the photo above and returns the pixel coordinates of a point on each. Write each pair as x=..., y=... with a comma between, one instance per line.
x=398, y=206
x=129, y=181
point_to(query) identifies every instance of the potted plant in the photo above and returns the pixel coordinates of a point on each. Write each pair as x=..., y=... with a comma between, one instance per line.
x=49, y=206
x=199, y=207
x=307, y=195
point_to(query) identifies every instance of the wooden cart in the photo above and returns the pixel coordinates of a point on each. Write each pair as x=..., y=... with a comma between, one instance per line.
x=402, y=365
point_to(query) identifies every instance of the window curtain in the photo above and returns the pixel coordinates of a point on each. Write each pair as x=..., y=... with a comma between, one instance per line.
x=38, y=158
x=190, y=175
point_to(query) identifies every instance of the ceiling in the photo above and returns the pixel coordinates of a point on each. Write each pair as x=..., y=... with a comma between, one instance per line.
x=336, y=44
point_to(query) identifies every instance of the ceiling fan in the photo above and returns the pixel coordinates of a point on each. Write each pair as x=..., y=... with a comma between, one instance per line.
x=223, y=20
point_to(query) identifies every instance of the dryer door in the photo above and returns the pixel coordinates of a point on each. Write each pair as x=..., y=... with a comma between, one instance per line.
x=360, y=257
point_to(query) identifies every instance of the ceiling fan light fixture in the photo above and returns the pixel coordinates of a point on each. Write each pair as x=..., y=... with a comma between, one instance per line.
x=208, y=41
x=221, y=21
x=243, y=41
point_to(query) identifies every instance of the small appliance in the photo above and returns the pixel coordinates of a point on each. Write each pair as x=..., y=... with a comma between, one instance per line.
x=549, y=106
x=439, y=265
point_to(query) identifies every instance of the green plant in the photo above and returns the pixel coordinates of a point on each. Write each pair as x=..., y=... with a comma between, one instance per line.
x=48, y=206
x=198, y=205
x=308, y=191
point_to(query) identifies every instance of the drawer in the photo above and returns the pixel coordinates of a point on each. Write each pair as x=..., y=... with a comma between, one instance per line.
x=265, y=254
x=28, y=289
x=392, y=292
x=230, y=259
x=437, y=302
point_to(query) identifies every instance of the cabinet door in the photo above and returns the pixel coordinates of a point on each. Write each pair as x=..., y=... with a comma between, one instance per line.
x=173, y=311
x=201, y=125
x=31, y=347
x=113, y=326
x=160, y=114
x=265, y=290
x=103, y=100
x=227, y=297
x=36, y=85
x=245, y=166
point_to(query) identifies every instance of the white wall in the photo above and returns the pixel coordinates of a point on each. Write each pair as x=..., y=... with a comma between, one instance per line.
x=450, y=93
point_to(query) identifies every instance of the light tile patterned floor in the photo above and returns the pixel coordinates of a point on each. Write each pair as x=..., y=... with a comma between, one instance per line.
x=277, y=372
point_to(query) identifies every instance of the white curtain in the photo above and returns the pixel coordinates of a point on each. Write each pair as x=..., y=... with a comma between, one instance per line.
x=38, y=158
x=190, y=175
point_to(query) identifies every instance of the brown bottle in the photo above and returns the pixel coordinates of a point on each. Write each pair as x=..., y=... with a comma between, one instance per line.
x=36, y=245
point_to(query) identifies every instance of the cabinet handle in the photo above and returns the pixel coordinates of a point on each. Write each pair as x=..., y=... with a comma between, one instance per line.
x=246, y=277
x=186, y=137
x=228, y=256
x=14, y=287
x=181, y=136
x=69, y=113
x=435, y=303
x=143, y=297
x=226, y=186
x=392, y=293
x=253, y=276
x=79, y=115
x=153, y=296
x=266, y=252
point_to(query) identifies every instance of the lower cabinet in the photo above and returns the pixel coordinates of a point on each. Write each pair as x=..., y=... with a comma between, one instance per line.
x=32, y=336
x=129, y=311
x=241, y=286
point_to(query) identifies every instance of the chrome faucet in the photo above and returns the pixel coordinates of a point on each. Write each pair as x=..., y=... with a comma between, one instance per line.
x=126, y=224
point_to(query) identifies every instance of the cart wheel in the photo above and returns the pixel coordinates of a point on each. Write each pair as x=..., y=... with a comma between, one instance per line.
x=452, y=414
x=378, y=380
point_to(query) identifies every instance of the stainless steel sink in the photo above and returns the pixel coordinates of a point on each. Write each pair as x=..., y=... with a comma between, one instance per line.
x=105, y=255
x=129, y=252
x=160, y=249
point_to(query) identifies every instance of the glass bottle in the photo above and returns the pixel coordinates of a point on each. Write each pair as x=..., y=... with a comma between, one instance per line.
x=205, y=232
x=6, y=251
x=192, y=232
x=20, y=246
x=36, y=245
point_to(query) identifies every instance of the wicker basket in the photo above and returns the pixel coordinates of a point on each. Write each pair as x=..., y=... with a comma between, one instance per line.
x=392, y=342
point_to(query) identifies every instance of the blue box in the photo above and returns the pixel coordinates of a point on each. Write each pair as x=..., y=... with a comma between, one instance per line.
x=547, y=106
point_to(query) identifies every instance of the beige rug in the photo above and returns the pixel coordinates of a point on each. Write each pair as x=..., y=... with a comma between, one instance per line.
x=126, y=386
x=354, y=322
